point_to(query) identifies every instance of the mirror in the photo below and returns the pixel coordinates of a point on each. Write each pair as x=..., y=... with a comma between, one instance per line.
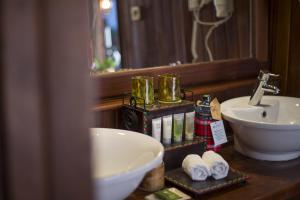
x=132, y=34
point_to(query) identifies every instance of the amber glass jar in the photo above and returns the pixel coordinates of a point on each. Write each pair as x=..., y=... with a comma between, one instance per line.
x=169, y=88
x=142, y=89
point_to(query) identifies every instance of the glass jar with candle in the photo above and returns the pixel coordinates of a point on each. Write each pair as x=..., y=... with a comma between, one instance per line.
x=169, y=88
x=142, y=89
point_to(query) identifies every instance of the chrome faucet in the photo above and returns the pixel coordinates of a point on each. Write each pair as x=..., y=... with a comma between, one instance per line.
x=261, y=87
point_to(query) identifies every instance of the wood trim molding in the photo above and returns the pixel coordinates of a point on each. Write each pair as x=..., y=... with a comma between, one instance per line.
x=116, y=84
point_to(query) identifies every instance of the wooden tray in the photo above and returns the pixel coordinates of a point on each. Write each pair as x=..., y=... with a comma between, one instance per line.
x=181, y=179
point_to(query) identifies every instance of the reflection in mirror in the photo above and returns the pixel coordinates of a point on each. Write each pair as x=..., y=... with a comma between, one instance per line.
x=131, y=34
x=105, y=32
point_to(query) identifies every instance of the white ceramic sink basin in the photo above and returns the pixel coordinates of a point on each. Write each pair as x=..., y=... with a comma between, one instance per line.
x=120, y=161
x=270, y=131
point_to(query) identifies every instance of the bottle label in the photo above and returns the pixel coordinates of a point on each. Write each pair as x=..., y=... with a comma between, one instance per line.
x=218, y=132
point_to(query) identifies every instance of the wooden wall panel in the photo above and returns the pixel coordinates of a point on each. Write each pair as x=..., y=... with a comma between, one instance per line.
x=261, y=26
x=157, y=31
x=286, y=45
x=22, y=117
x=163, y=35
x=107, y=118
x=3, y=190
x=45, y=100
x=230, y=40
x=293, y=84
x=68, y=98
x=280, y=46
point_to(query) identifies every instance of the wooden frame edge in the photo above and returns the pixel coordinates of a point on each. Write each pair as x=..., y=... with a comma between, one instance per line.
x=116, y=84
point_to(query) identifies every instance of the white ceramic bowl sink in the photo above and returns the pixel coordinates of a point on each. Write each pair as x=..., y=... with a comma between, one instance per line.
x=120, y=160
x=270, y=131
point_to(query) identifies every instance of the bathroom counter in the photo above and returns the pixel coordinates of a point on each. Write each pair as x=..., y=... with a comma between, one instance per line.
x=268, y=180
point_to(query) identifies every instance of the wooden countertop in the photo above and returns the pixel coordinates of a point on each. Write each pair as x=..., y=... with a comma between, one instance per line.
x=268, y=180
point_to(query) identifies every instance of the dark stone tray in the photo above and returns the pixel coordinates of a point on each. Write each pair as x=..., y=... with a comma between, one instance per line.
x=181, y=179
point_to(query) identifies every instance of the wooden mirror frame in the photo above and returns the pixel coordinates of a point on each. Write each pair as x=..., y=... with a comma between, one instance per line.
x=113, y=85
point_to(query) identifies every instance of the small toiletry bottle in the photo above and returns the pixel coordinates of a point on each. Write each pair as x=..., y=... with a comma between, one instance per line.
x=178, y=120
x=167, y=129
x=189, y=125
x=203, y=119
x=156, y=128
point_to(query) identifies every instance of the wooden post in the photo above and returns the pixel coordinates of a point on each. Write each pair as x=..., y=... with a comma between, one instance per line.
x=46, y=91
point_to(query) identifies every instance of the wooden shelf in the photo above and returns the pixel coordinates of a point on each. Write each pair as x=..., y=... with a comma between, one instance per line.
x=176, y=146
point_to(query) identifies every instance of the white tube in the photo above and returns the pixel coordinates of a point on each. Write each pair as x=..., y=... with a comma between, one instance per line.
x=156, y=128
x=189, y=125
x=167, y=129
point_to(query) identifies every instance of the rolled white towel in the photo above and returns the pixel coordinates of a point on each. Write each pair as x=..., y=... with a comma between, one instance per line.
x=216, y=163
x=194, y=166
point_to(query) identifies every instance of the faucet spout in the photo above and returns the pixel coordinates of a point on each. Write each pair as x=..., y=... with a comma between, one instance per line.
x=271, y=89
x=261, y=87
